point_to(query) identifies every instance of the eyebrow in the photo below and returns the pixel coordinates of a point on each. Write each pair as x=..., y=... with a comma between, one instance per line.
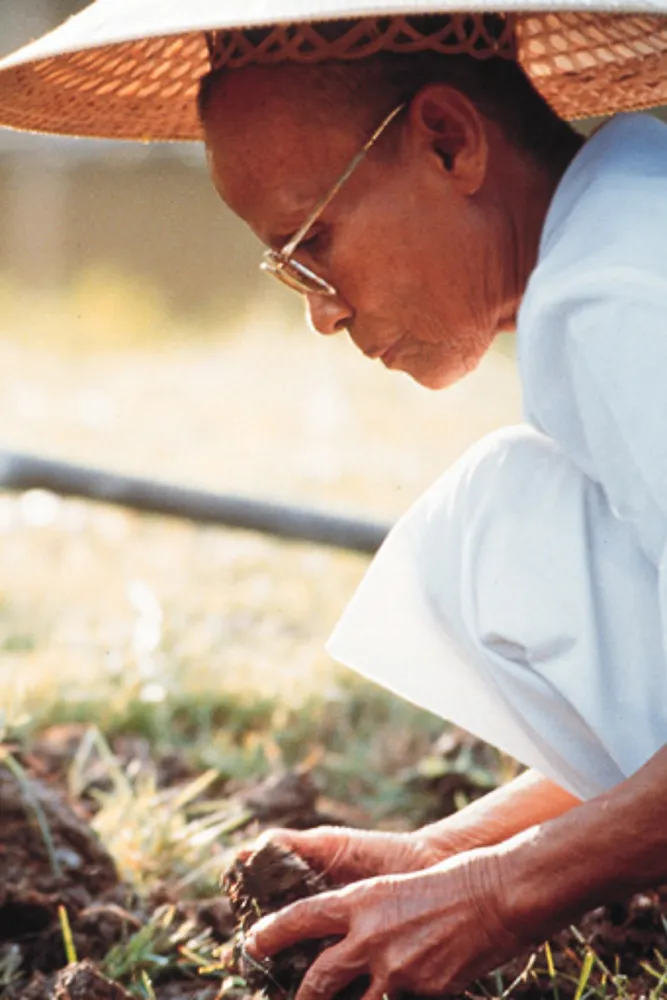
x=292, y=219
x=278, y=240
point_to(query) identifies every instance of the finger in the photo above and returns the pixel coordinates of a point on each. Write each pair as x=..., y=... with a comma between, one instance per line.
x=311, y=846
x=378, y=990
x=315, y=846
x=287, y=839
x=274, y=835
x=337, y=853
x=334, y=969
x=306, y=919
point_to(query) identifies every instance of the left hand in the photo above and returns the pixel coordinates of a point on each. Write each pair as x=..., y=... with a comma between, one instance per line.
x=429, y=932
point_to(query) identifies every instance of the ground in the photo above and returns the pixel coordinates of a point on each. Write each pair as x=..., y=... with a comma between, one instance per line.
x=77, y=922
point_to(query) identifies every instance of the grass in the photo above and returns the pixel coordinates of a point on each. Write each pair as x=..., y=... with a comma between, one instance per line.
x=163, y=944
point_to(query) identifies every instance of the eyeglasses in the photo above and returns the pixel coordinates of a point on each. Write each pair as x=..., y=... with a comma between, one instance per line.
x=281, y=263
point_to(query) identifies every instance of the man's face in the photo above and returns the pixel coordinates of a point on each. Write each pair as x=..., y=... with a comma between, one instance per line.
x=413, y=254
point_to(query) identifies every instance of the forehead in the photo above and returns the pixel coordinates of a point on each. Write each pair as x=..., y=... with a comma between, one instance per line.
x=276, y=140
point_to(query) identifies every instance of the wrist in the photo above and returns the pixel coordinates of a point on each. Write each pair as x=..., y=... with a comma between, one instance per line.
x=547, y=883
x=455, y=835
x=487, y=877
x=501, y=814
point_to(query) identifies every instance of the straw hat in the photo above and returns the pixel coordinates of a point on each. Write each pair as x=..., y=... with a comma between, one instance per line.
x=130, y=68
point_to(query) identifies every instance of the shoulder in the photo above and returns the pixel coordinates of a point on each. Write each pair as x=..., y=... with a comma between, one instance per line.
x=616, y=180
x=609, y=212
x=600, y=284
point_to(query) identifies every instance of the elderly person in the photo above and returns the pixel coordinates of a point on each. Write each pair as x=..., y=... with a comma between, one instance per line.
x=411, y=182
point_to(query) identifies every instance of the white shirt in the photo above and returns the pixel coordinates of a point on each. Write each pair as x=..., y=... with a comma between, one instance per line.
x=523, y=596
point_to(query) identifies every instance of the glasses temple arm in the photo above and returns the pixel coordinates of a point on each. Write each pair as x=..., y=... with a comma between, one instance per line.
x=290, y=247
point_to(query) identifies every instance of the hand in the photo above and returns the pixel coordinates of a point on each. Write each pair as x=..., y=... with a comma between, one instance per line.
x=347, y=855
x=428, y=933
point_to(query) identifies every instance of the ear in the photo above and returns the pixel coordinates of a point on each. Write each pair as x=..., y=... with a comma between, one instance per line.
x=448, y=124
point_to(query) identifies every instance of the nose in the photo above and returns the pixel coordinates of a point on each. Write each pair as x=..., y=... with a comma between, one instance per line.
x=328, y=313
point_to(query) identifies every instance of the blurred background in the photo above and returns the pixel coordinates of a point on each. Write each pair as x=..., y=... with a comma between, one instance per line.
x=137, y=334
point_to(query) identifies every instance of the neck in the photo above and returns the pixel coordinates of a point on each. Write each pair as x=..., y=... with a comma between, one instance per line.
x=527, y=191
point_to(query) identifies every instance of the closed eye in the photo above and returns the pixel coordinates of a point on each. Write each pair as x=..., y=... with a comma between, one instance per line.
x=314, y=243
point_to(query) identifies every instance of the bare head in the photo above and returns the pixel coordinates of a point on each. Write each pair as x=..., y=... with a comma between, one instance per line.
x=430, y=241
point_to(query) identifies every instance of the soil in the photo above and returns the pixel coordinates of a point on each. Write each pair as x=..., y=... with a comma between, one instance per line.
x=269, y=879
x=102, y=910
x=83, y=880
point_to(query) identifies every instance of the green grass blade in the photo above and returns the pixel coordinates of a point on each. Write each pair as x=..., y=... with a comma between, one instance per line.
x=585, y=974
x=68, y=940
x=147, y=985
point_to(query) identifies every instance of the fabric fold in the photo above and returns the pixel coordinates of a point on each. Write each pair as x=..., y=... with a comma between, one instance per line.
x=494, y=604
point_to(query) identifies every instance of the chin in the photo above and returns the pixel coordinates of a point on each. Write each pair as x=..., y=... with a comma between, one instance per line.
x=434, y=378
x=446, y=371
x=440, y=364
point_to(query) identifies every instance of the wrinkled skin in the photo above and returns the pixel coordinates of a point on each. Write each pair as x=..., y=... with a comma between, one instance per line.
x=404, y=927
x=347, y=855
x=404, y=905
x=430, y=241
x=428, y=932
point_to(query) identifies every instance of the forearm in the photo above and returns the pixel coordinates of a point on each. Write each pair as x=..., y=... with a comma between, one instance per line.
x=605, y=850
x=524, y=802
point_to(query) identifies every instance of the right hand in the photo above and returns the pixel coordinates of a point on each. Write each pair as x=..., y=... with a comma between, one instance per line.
x=347, y=855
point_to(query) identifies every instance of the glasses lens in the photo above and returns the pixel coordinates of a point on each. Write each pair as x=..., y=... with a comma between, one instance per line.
x=295, y=275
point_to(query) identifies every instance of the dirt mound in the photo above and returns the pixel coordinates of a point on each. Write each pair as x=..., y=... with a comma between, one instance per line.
x=40, y=872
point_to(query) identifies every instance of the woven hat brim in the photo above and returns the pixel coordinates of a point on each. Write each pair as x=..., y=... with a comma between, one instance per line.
x=127, y=69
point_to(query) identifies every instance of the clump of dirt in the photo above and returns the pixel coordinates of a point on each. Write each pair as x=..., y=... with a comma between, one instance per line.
x=624, y=940
x=80, y=981
x=261, y=883
x=288, y=798
x=634, y=929
x=84, y=981
x=51, y=755
x=265, y=881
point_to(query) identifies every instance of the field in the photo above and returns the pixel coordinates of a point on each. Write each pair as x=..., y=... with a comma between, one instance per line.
x=171, y=678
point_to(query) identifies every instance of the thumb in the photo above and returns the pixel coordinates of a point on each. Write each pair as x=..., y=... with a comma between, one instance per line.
x=324, y=848
x=321, y=847
x=288, y=840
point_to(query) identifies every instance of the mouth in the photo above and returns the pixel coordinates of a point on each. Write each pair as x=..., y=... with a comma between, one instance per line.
x=391, y=353
x=373, y=352
x=384, y=353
